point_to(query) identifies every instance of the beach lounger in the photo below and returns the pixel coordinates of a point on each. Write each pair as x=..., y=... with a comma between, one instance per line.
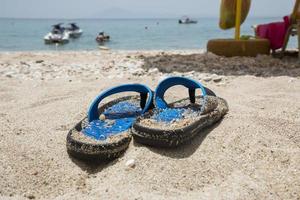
x=105, y=133
x=279, y=32
x=169, y=125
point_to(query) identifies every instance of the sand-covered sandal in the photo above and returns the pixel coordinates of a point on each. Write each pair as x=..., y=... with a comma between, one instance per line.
x=169, y=125
x=105, y=132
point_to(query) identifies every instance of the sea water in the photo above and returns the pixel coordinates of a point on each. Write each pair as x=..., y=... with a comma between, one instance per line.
x=126, y=34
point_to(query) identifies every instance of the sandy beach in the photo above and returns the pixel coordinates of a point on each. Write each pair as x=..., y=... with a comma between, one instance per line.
x=254, y=153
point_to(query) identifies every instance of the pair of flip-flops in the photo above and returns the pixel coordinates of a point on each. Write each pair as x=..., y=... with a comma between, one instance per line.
x=107, y=130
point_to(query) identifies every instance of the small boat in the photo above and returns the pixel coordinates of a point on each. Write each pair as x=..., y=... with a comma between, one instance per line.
x=58, y=35
x=102, y=37
x=187, y=20
x=74, y=30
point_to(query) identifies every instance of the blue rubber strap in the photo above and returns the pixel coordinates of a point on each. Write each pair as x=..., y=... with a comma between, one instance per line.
x=172, y=81
x=142, y=89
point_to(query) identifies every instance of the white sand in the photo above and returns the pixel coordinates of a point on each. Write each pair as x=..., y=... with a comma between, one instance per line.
x=254, y=153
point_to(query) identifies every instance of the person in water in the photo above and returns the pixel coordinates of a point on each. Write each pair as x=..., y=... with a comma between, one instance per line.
x=102, y=37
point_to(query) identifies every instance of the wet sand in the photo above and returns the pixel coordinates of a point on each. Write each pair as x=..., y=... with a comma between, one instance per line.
x=254, y=153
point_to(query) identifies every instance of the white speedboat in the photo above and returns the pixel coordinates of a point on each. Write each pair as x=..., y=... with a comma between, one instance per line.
x=187, y=20
x=74, y=30
x=58, y=35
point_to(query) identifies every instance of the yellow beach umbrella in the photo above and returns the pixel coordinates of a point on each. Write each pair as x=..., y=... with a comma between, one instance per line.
x=233, y=13
x=238, y=19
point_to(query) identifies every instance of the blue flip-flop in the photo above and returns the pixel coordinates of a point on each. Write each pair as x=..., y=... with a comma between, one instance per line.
x=170, y=125
x=105, y=132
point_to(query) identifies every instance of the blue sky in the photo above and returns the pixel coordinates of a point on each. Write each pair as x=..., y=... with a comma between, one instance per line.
x=132, y=8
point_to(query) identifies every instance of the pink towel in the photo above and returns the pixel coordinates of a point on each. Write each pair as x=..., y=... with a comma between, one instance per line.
x=275, y=32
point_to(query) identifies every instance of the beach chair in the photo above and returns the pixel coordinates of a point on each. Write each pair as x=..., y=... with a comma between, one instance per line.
x=293, y=29
x=292, y=23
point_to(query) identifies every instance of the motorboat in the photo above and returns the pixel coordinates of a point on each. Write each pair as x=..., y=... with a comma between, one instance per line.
x=187, y=20
x=74, y=30
x=58, y=35
x=102, y=37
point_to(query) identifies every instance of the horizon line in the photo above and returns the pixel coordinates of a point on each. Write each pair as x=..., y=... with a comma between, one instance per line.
x=120, y=18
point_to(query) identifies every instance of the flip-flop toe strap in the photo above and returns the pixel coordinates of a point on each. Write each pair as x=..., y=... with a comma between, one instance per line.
x=144, y=91
x=173, y=81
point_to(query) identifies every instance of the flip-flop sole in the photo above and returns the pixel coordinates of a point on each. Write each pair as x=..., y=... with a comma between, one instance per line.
x=109, y=149
x=166, y=137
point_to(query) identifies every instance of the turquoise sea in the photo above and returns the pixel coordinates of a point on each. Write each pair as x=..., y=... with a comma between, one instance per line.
x=126, y=34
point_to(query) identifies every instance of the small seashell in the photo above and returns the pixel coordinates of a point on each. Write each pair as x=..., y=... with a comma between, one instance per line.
x=207, y=79
x=217, y=79
x=130, y=163
x=102, y=117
